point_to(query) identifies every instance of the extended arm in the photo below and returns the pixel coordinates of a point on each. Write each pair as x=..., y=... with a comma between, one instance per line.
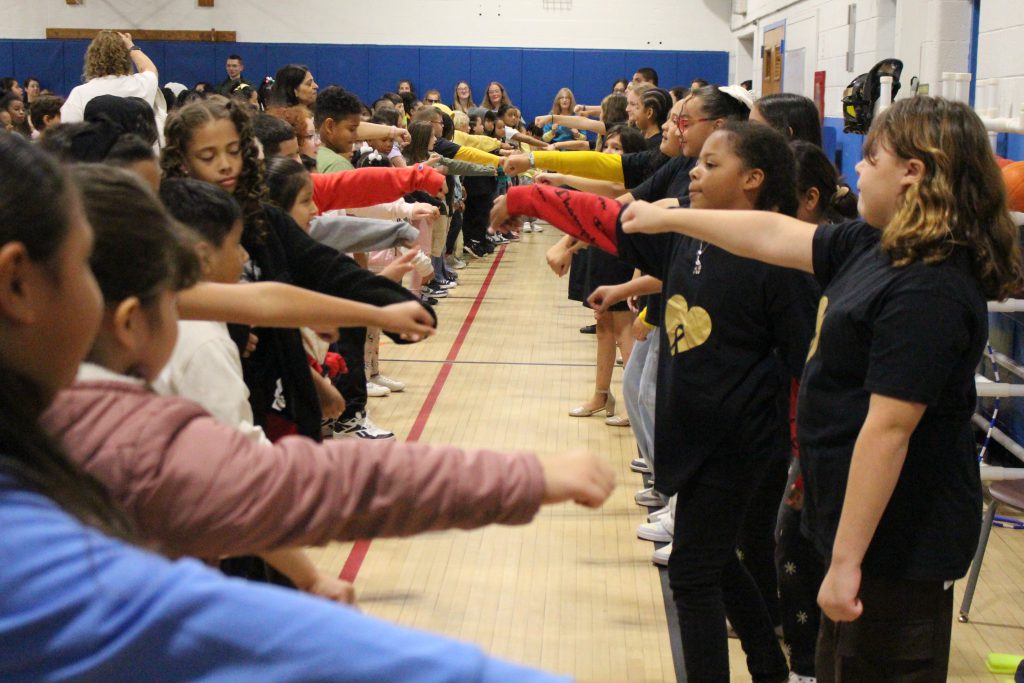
x=581, y=215
x=481, y=142
x=580, y=123
x=378, y=131
x=596, y=165
x=604, y=188
x=369, y=186
x=274, y=304
x=762, y=235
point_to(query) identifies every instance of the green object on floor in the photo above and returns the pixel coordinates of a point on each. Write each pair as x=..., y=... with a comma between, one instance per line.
x=999, y=663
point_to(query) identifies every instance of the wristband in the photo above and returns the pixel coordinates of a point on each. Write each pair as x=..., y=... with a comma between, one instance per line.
x=133, y=48
x=533, y=163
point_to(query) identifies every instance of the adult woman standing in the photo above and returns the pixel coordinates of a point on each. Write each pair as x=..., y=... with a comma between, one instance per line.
x=294, y=85
x=108, y=71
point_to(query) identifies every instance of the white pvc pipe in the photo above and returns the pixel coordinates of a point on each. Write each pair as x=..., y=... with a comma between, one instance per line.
x=948, y=85
x=999, y=436
x=989, y=389
x=990, y=473
x=963, y=87
x=1008, y=306
x=884, y=100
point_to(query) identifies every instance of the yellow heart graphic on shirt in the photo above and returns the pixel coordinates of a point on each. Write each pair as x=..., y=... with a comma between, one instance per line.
x=687, y=328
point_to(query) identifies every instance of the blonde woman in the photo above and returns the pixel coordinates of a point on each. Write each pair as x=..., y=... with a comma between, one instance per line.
x=554, y=134
x=108, y=71
x=462, y=97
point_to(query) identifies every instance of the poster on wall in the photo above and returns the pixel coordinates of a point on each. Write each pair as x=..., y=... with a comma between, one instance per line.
x=819, y=94
x=793, y=71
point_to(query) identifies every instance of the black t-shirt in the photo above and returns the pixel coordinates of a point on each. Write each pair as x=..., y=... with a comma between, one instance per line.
x=653, y=143
x=671, y=180
x=718, y=370
x=916, y=334
x=638, y=166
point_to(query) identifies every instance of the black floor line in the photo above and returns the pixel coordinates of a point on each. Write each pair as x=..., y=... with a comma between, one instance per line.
x=487, y=362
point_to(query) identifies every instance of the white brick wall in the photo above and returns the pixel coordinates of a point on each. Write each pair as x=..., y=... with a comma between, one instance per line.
x=1001, y=50
x=929, y=36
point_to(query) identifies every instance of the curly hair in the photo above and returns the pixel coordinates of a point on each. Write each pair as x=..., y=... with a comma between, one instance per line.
x=961, y=199
x=296, y=117
x=106, y=56
x=250, y=189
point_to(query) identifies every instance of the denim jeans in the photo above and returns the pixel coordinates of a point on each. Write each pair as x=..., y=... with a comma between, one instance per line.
x=639, y=387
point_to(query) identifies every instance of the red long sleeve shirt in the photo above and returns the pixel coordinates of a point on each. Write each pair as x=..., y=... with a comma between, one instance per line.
x=582, y=215
x=370, y=186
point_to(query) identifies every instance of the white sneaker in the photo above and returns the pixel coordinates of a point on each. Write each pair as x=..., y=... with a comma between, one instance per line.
x=361, y=427
x=640, y=465
x=392, y=385
x=376, y=390
x=661, y=555
x=527, y=226
x=797, y=678
x=537, y=227
x=658, y=514
x=654, y=531
x=650, y=498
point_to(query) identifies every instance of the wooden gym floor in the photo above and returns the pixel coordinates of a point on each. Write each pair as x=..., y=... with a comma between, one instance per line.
x=573, y=592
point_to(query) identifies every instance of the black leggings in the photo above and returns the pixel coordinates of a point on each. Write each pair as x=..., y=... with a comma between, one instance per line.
x=476, y=217
x=709, y=582
x=454, y=228
x=801, y=571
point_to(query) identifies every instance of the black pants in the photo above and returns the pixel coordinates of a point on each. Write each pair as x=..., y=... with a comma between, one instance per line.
x=476, y=217
x=902, y=636
x=351, y=345
x=454, y=228
x=757, y=536
x=801, y=571
x=708, y=580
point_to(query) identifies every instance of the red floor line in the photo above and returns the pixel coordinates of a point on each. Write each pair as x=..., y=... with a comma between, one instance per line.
x=359, y=550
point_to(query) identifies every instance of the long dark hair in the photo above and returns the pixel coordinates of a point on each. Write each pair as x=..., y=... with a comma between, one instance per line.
x=765, y=148
x=139, y=249
x=34, y=198
x=795, y=116
x=420, y=133
x=250, y=190
x=813, y=169
x=287, y=79
x=285, y=179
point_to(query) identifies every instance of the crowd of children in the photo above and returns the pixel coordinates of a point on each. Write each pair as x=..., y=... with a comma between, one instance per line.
x=751, y=294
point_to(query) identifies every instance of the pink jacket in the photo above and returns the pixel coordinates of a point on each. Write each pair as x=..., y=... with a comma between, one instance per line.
x=197, y=487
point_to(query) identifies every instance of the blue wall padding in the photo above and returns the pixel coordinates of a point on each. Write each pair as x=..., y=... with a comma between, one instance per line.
x=531, y=76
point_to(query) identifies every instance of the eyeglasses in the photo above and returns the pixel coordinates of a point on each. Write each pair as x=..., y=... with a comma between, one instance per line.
x=683, y=122
x=431, y=101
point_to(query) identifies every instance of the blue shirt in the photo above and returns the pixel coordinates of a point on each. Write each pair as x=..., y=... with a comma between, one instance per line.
x=78, y=605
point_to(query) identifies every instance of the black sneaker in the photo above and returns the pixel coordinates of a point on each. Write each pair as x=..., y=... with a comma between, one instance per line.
x=435, y=291
x=476, y=249
x=588, y=329
x=428, y=300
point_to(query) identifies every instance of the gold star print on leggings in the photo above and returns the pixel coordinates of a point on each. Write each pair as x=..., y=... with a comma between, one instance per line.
x=687, y=327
